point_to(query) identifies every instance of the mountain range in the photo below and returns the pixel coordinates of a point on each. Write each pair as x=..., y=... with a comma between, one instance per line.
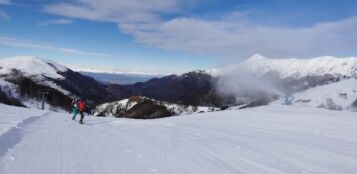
x=256, y=81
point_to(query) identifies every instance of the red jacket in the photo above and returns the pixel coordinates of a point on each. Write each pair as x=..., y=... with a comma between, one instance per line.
x=82, y=106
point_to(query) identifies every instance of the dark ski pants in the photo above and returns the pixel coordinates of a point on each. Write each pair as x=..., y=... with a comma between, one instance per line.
x=82, y=116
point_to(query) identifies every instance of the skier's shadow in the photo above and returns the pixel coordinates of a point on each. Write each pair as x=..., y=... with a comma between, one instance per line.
x=97, y=122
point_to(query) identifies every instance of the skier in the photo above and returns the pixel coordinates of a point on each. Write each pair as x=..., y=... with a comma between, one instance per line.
x=289, y=100
x=73, y=104
x=82, y=108
x=75, y=108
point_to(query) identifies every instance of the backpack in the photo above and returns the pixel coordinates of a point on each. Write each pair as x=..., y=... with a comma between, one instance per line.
x=82, y=106
x=73, y=104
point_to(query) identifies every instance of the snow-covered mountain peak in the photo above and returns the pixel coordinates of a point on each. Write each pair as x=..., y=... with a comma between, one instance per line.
x=297, y=68
x=257, y=57
x=32, y=66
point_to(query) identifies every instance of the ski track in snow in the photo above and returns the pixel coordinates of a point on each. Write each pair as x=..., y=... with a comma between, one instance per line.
x=274, y=140
x=15, y=134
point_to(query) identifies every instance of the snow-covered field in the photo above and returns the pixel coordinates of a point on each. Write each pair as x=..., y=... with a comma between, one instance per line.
x=336, y=96
x=264, y=140
x=342, y=93
x=11, y=117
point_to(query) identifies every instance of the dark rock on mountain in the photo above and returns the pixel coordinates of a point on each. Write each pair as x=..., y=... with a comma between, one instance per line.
x=5, y=99
x=147, y=109
x=134, y=107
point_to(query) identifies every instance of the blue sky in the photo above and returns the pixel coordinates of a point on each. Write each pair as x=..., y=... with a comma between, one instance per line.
x=175, y=36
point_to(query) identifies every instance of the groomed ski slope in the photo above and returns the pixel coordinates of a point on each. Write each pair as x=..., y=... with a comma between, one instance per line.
x=264, y=140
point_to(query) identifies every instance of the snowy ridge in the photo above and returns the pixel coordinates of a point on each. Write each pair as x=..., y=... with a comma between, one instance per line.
x=123, y=105
x=297, y=68
x=38, y=69
x=113, y=107
x=187, y=110
x=32, y=66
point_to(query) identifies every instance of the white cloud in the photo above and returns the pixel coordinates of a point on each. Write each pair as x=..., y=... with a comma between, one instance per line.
x=5, y=2
x=241, y=39
x=232, y=35
x=56, y=22
x=120, y=11
x=19, y=43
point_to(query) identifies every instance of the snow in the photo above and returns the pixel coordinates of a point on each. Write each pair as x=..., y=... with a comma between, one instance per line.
x=32, y=66
x=342, y=93
x=4, y=83
x=10, y=118
x=188, y=109
x=271, y=139
x=296, y=68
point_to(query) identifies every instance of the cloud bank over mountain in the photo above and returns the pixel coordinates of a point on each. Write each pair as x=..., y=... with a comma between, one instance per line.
x=230, y=35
